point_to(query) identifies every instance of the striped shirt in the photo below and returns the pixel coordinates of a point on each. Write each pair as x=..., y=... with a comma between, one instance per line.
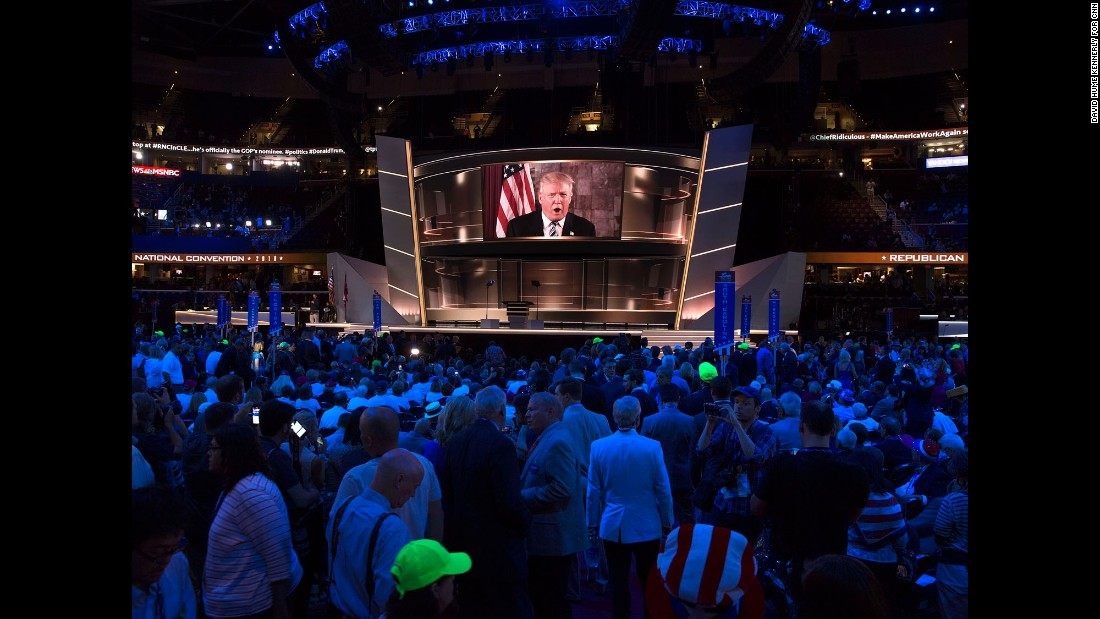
x=953, y=521
x=250, y=547
x=879, y=532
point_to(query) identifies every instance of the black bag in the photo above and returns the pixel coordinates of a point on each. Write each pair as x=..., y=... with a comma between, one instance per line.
x=705, y=492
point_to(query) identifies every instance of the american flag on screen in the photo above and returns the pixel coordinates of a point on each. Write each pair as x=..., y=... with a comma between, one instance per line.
x=331, y=288
x=517, y=196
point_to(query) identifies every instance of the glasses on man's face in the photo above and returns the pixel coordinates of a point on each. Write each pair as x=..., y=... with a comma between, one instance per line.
x=163, y=552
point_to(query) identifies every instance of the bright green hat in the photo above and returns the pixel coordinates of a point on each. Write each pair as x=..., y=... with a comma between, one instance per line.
x=424, y=561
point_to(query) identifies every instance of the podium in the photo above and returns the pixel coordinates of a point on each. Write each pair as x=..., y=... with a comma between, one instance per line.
x=517, y=313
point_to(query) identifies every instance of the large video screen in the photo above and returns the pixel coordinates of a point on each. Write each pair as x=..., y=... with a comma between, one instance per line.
x=553, y=199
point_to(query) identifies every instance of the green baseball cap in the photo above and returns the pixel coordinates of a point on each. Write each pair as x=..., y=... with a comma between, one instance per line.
x=597, y=340
x=424, y=561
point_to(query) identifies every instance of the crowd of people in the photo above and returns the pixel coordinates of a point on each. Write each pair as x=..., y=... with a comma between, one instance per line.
x=808, y=479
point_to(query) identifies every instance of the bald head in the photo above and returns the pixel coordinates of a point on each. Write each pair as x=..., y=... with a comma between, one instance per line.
x=398, y=476
x=378, y=429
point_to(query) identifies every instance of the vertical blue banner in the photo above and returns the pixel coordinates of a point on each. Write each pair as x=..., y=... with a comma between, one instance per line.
x=253, y=310
x=773, y=315
x=890, y=321
x=223, y=311
x=275, y=307
x=377, y=312
x=724, y=289
x=746, y=316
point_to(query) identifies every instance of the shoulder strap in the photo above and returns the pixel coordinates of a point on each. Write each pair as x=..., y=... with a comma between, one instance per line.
x=336, y=531
x=370, y=546
x=370, y=554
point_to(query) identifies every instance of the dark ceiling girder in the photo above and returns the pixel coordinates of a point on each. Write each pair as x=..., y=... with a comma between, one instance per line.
x=642, y=27
x=770, y=57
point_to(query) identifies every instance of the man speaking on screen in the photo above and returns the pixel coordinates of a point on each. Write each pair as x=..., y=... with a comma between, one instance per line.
x=554, y=218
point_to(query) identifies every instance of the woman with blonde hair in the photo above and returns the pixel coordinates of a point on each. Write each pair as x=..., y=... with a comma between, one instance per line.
x=435, y=391
x=844, y=370
x=456, y=416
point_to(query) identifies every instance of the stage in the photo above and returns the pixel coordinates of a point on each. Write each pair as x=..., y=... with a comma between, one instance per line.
x=532, y=343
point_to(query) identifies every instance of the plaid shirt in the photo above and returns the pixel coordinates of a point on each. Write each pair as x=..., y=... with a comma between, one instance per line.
x=725, y=438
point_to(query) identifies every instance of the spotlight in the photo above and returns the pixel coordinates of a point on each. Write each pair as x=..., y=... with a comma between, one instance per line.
x=267, y=222
x=270, y=47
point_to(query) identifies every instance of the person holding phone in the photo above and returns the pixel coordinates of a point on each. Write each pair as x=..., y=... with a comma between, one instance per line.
x=736, y=446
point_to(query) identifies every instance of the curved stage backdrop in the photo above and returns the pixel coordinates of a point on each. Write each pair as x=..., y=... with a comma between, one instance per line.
x=662, y=221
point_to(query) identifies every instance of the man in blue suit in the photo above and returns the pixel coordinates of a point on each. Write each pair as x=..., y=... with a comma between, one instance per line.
x=629, y=501
x=553, y=219
x=553, y=490
x=485, y=516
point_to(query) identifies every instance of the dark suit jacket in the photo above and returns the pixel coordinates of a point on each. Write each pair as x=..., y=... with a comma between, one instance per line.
x=593, y=399
x=308, y=355
x=531, y=225
x=483, y=513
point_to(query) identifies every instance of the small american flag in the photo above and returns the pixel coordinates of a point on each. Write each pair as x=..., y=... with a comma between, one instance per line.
x=517, y=196
x=331, y=288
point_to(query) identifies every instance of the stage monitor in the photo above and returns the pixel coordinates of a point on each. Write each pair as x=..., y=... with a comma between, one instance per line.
x=553, y=198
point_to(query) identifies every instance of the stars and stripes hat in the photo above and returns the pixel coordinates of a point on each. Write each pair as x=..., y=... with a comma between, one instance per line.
x=705, y=566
